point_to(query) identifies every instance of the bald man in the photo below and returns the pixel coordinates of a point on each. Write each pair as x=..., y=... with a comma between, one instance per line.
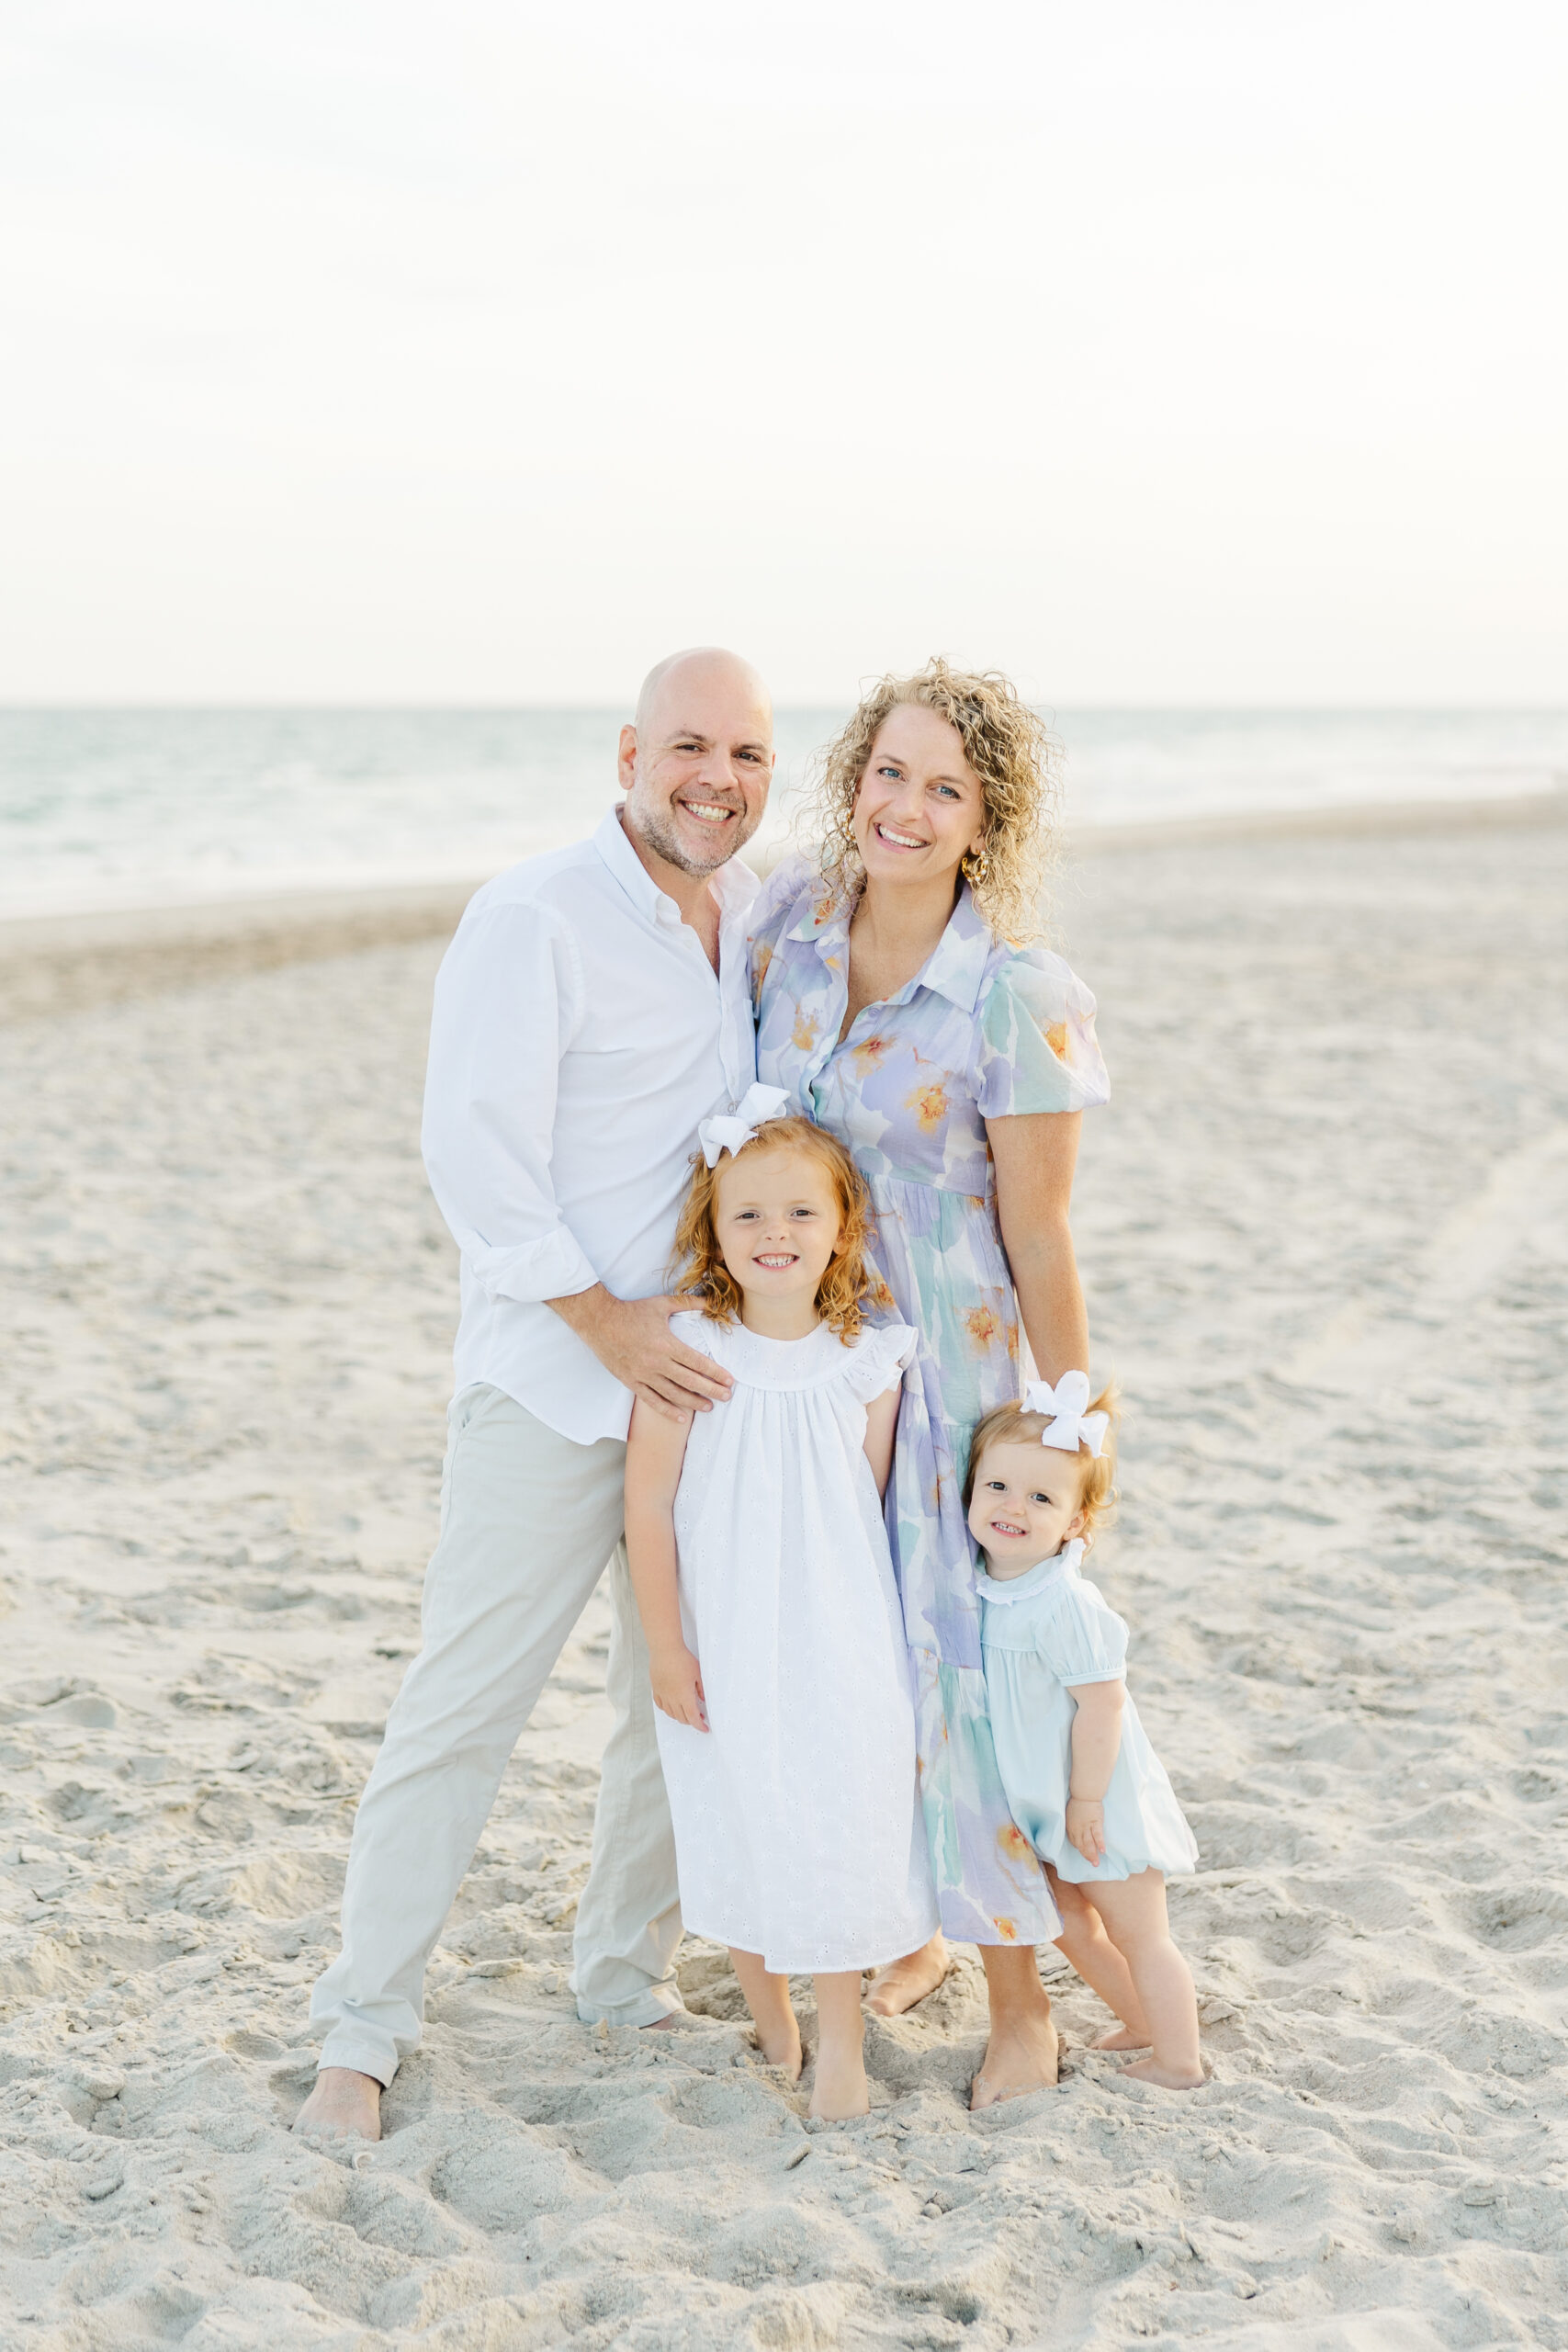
x=592, y=1010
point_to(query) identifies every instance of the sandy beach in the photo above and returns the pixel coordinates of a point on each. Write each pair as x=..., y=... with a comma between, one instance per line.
x=1323, y=1227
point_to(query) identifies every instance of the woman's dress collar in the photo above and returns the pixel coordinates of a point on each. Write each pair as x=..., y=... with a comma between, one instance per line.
x=954, y=968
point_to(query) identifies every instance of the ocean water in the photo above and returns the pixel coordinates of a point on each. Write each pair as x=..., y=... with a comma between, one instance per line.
x=102, y=808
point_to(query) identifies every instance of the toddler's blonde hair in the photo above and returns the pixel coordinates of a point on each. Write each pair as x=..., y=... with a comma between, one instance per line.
x=707, y=1280
x=1011, y=1425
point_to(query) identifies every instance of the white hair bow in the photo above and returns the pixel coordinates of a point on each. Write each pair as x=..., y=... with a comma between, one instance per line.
x=755, y=1108
x=1066, y=1402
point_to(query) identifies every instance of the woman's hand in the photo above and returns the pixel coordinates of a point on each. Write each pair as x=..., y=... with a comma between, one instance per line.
x=1086, y=1829
x=677, y=1687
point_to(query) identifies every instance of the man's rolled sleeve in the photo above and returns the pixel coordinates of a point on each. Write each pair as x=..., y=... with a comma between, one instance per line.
x=508, y=1000
x=553, y=1267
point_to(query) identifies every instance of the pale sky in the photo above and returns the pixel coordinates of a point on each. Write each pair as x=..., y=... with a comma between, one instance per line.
x=359, y=350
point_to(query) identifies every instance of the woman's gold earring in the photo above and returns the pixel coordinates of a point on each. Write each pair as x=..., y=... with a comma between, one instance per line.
x=974, y=865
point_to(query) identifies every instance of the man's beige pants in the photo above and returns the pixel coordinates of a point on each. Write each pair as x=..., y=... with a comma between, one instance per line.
x=528, y=1521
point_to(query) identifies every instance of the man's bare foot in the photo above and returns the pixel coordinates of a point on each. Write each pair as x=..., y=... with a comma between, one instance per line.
x=343, y=2105
x=839, y=2090
x=903, y=1982
x=1169, y=2078
x=1120, y=2037
x=654, y=2023
x=1019, y=2057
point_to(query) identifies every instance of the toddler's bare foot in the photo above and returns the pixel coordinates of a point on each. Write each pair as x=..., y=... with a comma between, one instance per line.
x=1019, y=2057
x=903, y=1982
x=343, y=2105
x=839, y=2090
x=1120, y=2037
x=1169, y=2078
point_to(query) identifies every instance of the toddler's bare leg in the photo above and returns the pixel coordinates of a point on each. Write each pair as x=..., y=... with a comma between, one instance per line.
x=767, y=1997
x=841, y=2088
x=1133, y=1911
x=1085, y=1942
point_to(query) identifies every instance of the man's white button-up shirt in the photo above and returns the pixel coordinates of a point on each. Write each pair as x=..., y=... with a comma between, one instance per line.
x=580, y=1036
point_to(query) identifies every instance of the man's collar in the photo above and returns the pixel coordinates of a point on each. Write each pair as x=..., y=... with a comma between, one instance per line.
x=610, y=840
x=735, y=885
x=956, y=964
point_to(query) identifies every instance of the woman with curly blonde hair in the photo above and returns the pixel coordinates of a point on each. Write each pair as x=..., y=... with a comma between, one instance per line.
x=904, y=1003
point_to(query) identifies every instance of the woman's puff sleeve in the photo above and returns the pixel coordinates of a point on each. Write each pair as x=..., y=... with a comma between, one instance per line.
x=1034, y=1044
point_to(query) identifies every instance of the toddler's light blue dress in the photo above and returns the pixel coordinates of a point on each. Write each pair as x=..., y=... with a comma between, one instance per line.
x=1040, y=1633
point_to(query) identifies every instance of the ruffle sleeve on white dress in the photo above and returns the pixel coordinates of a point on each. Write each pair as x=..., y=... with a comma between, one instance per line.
x=879, y=1361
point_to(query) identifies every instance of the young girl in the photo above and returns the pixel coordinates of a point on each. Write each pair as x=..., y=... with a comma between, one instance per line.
x=1085, y=1787
x=762, y=1573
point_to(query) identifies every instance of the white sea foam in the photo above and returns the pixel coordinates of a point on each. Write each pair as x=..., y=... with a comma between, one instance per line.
x=107, y=808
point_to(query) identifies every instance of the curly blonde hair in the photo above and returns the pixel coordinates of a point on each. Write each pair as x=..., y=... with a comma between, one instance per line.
x=1010, y=1425
x=705, y=1279
x=1012, y=752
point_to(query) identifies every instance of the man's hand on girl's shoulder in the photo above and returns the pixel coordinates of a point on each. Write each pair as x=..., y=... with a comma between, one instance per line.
x=631, y=1337
x=677, y=1682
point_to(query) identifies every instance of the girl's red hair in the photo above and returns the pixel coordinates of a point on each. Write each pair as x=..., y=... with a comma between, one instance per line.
x=705, y=1279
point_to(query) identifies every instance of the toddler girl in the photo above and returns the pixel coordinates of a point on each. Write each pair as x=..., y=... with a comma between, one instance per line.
x=1084, y=1785
x=762, y=1573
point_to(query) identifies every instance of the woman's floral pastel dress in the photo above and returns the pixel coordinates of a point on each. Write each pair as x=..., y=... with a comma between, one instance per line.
x=983, y=1032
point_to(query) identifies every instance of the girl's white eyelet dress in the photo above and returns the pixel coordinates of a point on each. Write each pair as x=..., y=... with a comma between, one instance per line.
x=1039, y=1632
x=797, y=1824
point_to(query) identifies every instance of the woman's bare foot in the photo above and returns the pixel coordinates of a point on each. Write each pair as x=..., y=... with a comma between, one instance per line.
x=1021, y=2057
x=903, y=1982
x=1169, y=2078
x=1120, y=2037
x=343, y=2105
x=839, y=2090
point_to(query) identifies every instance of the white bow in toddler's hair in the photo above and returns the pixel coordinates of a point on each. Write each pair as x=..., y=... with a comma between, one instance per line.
x=1070, y=1424
x=756, y=1107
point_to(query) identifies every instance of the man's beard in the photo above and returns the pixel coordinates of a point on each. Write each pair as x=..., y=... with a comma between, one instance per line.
x=657, y=827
